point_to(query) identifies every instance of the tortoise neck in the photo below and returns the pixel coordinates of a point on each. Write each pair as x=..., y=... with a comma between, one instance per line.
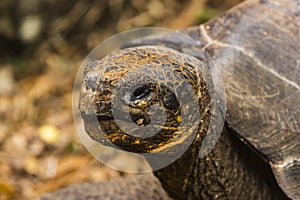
x=229, y=171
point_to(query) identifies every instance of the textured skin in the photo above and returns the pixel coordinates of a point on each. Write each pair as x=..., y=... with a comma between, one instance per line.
x=230, y=171
x=256, y=45
x=129, y=188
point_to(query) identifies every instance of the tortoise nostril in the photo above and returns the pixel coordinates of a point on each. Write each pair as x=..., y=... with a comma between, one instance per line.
x=90, y=82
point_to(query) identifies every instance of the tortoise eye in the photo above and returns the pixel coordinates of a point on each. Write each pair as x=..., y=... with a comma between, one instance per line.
x=169, y=99
x=140, y=93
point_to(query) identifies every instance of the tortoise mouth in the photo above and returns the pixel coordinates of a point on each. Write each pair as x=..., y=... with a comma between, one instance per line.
x=105, y=130
x=105, y=118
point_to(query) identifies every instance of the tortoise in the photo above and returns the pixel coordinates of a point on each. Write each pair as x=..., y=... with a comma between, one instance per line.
x=256, y=47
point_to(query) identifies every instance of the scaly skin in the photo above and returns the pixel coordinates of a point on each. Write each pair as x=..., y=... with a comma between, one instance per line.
x=230, y=171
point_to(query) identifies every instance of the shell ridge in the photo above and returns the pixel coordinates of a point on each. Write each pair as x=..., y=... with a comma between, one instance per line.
x=210, y=41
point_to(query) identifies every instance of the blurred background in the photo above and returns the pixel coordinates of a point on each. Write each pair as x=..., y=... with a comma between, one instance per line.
x=42, y=44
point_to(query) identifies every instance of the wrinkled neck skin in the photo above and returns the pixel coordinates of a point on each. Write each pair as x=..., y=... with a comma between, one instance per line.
x=229, y=171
